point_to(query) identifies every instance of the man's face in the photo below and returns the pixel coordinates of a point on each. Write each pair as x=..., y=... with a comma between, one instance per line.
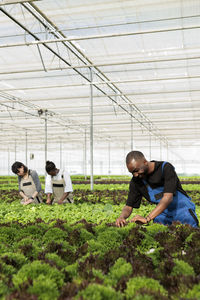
x=52, y=172
x=138, y=168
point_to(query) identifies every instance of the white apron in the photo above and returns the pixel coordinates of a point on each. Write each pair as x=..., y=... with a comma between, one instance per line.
x=58, y=187
x=27, y=186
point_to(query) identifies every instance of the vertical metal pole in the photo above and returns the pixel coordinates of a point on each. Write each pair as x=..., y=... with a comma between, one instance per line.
x=85, y=155
x=45, y=146
x=131, y=129
x=124, y=163
x=167, y=152
x=160, y=150
x=60, y=154
x=109, y=158
x=8, y=161
x=91, y=132
x=149, y=143
x=15, y=150
x=26, y=149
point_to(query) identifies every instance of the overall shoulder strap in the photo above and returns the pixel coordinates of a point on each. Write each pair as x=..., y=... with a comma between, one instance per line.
x=144, y=181
x=163, y=164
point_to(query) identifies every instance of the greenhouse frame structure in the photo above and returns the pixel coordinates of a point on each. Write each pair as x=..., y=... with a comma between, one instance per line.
x=99, y=76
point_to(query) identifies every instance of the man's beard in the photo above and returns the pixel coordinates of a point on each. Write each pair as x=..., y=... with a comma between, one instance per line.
x=144, y=174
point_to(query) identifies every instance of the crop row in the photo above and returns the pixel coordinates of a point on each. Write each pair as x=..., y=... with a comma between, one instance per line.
x=100, y=183
x=12, y=210
x=111, y=196
x=74, y=251
x=89, y=261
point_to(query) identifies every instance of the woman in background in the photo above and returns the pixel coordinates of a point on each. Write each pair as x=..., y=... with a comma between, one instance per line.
x=29, y=184
x=58, y=183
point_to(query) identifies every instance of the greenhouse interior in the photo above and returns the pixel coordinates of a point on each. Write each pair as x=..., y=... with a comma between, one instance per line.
x=83, y=79
x=83, y=84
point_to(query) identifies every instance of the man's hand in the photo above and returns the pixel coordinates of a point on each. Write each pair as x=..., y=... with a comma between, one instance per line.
x=60, y=202
x=120, y=222
x=139, y=220
x=48, y=201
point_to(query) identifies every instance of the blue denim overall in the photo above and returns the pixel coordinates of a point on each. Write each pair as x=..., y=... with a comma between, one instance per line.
x=181, y=208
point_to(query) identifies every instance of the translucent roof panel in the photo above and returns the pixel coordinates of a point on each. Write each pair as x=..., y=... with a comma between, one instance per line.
x=138, y=60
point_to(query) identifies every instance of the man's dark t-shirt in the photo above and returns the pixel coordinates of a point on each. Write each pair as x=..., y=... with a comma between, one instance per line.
x=167, y=178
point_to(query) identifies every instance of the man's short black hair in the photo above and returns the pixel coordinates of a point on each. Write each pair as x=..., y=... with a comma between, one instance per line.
x=50, y=166
x=17, y=165
x=136, y=155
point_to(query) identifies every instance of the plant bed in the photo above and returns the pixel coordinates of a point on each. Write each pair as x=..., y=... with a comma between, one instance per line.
x=57, y=260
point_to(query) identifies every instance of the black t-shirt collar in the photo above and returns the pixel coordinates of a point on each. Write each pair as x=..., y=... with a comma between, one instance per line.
x=157, y=166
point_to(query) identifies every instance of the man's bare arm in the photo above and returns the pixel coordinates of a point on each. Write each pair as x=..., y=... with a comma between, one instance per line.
x=162, y=205
x=126, y=211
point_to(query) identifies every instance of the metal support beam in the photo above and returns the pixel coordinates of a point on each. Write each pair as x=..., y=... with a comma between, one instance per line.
x=8, y=161
x=124, y=163
x=160, y=151
x=45, y=143
x=109, y=170
x=7, y=2
x=131, y=130
x=149, y=143
x=60, y=154
x=139, y=116
x=38, y=112
x=15, y=150
x=102, y=36
x=119, y=23
x=26, y=148
x=146, y=61
x=91, y=132
x=167, y=152
x=97, y=83
x=85, y=154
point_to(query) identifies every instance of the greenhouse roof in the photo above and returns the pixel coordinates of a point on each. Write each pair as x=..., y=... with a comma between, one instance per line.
x=137, y=60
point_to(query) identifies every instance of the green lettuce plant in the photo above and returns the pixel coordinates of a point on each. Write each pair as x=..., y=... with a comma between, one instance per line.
x=182, y=268
x=120, y=269
x=33, y=270
x=137, y=284
x=99, y=292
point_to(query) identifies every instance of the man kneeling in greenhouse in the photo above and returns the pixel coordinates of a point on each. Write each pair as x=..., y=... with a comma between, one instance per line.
x=157, y=182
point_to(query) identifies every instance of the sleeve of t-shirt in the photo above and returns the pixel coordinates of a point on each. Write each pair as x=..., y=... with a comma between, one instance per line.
x=36, y=180
x=134, y=196
x=68, y=182
x=19, y=182
x=170, y=179
x=48, y=186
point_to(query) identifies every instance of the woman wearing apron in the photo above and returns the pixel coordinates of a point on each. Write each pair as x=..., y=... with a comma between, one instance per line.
x=58, y=183
x=29, y=184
